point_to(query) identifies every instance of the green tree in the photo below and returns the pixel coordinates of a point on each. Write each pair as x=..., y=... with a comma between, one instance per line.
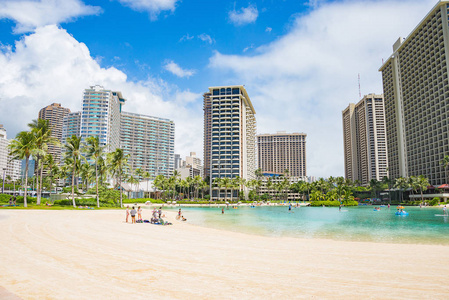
x=401, y=184
x=73, y=151
x=118, y=162
x=42, y=132
x=159, y=182
x=95, y=151
x=22, y=147
x=422, y=183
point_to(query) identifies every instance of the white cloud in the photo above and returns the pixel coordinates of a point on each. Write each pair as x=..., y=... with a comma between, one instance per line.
x=30, y=14
x=206, y=38
x=51, y=66
x=244, y=16
x=186, y=37
x=175, y=69
x=268, y=29
x=154, y=7
x=302, y=81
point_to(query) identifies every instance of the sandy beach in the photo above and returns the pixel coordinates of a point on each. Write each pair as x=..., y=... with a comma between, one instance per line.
x=96, y=255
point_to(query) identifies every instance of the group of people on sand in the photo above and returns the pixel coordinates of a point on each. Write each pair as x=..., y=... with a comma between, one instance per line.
x=180, y=216
x=12, y=201
x=133, y=213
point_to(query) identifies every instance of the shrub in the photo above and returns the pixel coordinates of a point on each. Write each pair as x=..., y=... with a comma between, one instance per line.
x=142, y=200
x=434, y=201
x=333, y=203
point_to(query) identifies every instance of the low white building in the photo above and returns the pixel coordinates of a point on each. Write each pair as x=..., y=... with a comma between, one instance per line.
x=8, y=167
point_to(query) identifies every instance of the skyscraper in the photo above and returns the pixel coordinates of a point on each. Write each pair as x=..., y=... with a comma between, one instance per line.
x=207, y=139
x=71, y=125
x=8, y=167
x=282, y=151
x=416, y=91
x=54, y=114
x=230, y=129
x=101, y=116
x=364, y=140
x=150, y=142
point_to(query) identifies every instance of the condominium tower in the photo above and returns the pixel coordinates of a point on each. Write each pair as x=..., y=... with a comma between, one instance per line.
x=150, y=143
x=54, y=114
x=71, y=125
x=282, y=151
x=416, y=91
x=100, y=116
x=364, y=140
x=230, y=130
x=8, y=167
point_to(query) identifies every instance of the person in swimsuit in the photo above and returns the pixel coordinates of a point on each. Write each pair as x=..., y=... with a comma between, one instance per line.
x=127, y=213
x=139, y=213
x=222, y=211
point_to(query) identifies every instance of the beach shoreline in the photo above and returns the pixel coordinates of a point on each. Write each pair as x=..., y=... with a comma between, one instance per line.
x=70, y=254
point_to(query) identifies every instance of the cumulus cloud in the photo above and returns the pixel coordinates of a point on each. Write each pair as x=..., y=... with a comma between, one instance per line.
x=244, y=16
x=175, y=69
x=206, y=38
x=302, y=81
x=268, y=29
x=153, y=7
x=29, y=14
x=186, y=37
x=51, y=66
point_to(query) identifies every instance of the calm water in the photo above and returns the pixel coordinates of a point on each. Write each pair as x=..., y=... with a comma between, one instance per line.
x=421, y=226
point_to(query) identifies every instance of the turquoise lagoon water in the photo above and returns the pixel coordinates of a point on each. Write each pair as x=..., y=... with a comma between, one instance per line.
x=361, y=223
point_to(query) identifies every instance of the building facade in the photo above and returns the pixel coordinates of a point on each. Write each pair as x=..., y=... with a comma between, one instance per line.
x=150, y=142
x=416, y=91
x=232, y=136
x=100, y=116
x=191, y=167
x=71, y=125
x=364, y=140
x=8, y=167
x=282, y=151
x=207, y=139
x=54, y=114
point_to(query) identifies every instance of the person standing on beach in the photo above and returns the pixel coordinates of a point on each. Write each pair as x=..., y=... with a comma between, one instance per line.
x=445, y=210
x=139, y=214
x=339, y=208
x=222, y=211
x=127, y=213
x=133, y=216
x=160, y=212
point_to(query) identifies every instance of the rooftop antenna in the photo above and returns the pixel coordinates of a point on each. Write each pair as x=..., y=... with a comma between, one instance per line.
x=360, y=91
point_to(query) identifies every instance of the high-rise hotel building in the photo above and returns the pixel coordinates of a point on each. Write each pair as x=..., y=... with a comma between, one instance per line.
x=54, y=114
x=150, y=142
x=282, y=151
x=416, y=91
x=364, y=140
x=71, y=125
x=230, y=130
x=100, y=116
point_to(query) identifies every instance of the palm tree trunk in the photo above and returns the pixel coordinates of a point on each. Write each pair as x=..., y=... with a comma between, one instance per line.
x=96, y=183
x=41, y=185
x=120, y=189
x=26, y=182
x=73, y=183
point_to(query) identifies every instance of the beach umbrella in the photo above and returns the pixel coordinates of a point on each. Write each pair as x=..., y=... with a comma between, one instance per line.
x=444, y=186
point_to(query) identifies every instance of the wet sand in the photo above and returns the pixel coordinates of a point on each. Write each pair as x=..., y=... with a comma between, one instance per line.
x=94, y=254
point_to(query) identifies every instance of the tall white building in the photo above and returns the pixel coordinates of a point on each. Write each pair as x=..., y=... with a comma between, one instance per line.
x=150, y=142
x=365, y=140
x=71, y=125
x=230, y=130
x=190, y=167
x=10, y=167
x=100, y=116
x=416, y=91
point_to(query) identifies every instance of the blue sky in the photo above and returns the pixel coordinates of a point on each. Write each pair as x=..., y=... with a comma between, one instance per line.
x=299, y=60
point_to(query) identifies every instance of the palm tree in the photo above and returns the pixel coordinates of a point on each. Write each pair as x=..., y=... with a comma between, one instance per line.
x=216, y=182
x=226, y=183
x=22, y=147
x=133, y=180
x=117, y=162
x=189, y=181
x=422, y=183
x=401, y=184
x=159, y=182
x=73, y=151
x=95, y=151
x=388, y=182
x=42, y=132
x=197, y=183
x=146, y=175
x=445, y=163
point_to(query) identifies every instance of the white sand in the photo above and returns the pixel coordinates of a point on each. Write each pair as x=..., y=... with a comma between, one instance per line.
x=95, y=255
